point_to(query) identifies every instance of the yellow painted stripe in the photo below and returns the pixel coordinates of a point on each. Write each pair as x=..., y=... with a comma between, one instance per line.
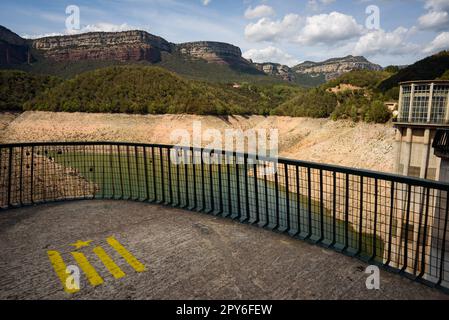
x=91, y=274
x=113, y=268
x=132, y=261
x=60, y=269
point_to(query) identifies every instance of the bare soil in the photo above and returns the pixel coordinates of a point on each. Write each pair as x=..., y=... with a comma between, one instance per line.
x=359, y=145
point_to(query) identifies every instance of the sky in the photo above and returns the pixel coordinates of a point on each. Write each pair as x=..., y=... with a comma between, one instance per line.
x=387, y=32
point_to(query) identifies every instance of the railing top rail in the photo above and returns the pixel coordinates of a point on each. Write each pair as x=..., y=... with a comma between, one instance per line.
x=313, y=165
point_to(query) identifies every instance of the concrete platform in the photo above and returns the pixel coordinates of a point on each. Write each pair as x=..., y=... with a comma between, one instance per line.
x=187, y=255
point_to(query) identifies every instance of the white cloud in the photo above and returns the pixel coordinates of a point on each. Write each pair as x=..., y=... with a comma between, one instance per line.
x=271, y=54
x=259, y=12
x=318, y=29
x=206, y=2
x=329, y=28
x=271, y=30
x=441, y=42
x=380, y=42
x=437, y=16
x=97, y=27
x=102, y=26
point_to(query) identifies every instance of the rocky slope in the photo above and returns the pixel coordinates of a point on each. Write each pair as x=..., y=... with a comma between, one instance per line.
x=121, y=46
x=333, y=68
x=277, y=70
x=213, y=52
x=13, y=49
x=360, y=145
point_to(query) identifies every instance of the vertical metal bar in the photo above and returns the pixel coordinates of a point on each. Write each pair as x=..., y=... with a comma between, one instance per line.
x=309, y=202
x=9, y=176
x=170, y=185
x=276, y=190
x=417, y=249
x=321, y=208
x=211, y=181
x=32, y=175
x=130, y=195
x=256, y=192
x=228, y=172
x=162, y=174
x=186, y=177
x=265, y=182
x=220, y=183
x=287, y=196
x=346, y=212
x=390, y=231
x=423, y=256
x=245, y=159
x=443, y=245
x=153, y=158
x=298, y=199
x=203, y=182
x=112, y=171
x=407, y=220
x=120, y=171
x=178, y=182
x=334, y=208
x=237, y=176
x=376, y=195
x=20, y=176
x=145, y=165
x=360, y=244
x=136, y=153
x=195, y=197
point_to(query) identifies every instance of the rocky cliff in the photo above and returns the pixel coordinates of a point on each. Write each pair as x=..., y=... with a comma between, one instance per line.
x=333, y=68
x=277, y=70
x=122, y=46
x=213, y=52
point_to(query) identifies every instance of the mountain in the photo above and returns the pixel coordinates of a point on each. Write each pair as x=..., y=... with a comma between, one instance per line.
x=13, y=49
x=429, y=68
x=335, y=67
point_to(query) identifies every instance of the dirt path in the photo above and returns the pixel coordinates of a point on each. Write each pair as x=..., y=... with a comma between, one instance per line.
x=360, y=145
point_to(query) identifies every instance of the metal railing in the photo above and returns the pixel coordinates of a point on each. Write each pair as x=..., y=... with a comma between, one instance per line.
x=397, y=222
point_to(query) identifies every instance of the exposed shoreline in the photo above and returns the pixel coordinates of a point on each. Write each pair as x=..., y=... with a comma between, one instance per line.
x=358, y=145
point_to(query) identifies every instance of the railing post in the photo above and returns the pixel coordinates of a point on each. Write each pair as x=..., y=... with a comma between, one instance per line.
x=321, y=208
x=298, y=200
x=220, y=183
x=161, y=160
x=390, y=229
x=256, y=194
x=145, y=165
x=309, y=202
x=10, y=176
x=211, y=182
x=170, y=182
x=153, y=165
x=247, y=217
x=359, y=251
x=376, y=194
x=443, y=245
x=287, y=197
x=120, y=171
x=267, y=217
x=276, y=190
x=407, y=220
x=334, y=209
x=228, y=173
x=423, y=256
x=237, y=178
x=203, y=183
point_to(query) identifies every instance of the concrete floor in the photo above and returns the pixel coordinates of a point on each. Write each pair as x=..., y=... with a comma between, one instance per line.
x=187, y=255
